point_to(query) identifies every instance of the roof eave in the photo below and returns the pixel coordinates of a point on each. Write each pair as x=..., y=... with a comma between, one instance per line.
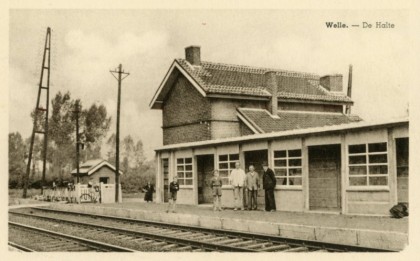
x=190, y=78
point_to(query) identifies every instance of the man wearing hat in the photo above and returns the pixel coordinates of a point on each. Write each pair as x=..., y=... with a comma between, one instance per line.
x=269, y=183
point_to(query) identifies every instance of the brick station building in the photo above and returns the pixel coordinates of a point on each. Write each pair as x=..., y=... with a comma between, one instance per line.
x=324, y=160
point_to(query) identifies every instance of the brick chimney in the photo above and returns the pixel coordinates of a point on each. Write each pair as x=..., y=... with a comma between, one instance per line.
x=333, y=83
x=271, y=84
x=192, y=55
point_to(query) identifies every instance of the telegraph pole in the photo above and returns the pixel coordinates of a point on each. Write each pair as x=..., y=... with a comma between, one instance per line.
x=44, y=84
x=119, y=71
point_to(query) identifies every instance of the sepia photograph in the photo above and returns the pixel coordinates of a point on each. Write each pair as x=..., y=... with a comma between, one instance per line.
x=209, y=130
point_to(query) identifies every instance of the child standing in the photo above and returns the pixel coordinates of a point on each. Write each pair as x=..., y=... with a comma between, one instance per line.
x=216, y=186
x=173, y=190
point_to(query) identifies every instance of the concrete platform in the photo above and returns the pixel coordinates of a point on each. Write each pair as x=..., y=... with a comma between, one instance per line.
x=367, y=231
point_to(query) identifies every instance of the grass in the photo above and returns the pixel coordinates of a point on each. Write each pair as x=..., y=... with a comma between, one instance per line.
x=16, y=198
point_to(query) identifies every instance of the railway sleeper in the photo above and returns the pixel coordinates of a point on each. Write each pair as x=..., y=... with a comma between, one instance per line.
x=297, y=249
x=169, y=247
x=242, y=243
x=258, y=245
x=229, y=241
x=275, y=248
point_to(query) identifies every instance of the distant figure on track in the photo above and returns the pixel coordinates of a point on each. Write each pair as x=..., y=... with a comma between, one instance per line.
x=216, y=187
x=148, y=190
x=269, y=183
x=173, y=190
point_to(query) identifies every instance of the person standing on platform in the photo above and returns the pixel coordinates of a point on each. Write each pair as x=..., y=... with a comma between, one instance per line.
x=173, y=190
x=252, y=183
x=237, y=180
x=148, y=192
x=269, y=183
x=216, y=187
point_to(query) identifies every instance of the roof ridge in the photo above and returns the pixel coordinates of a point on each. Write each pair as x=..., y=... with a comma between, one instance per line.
x=262, y=70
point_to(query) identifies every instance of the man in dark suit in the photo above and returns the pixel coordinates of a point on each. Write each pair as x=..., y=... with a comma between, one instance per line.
x=269, y=183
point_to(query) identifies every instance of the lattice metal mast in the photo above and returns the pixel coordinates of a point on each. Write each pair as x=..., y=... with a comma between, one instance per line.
x=45, y=78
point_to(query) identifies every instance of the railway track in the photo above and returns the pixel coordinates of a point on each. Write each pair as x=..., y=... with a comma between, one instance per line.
x=37, y=239
x=170, y=237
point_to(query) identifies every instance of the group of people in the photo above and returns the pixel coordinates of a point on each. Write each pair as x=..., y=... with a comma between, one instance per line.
x=249, y=183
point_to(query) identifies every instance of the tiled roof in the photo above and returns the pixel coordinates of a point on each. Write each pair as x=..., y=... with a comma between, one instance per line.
x=91, y=166
x=220, y=78
x=262, y=120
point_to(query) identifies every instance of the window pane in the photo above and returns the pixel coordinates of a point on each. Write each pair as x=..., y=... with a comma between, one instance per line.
x=378, y=181
x=295, y=153
x=381, y=169
x=382, y=158
x=181, y=181
x=295, y=181
x=357, y=159
x=295, y=162
x=280, y=163
x=281, y=181
x=295, y=172
x=180, y=175
x=358, y=181
x=233, y=157
x=188, y=167
x=180, y=168
x=280, y=154
x=188, y=174
x=357, y=170
x=188, y=160
x=223, y=173
x=280, y=172
x=223, y=157
x=232, y=165
x=223, y=166
x=180, y=161
x=377, y=147
x=188, y=182
x=357, y=148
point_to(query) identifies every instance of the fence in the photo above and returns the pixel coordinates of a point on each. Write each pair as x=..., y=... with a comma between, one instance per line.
x=81, y=193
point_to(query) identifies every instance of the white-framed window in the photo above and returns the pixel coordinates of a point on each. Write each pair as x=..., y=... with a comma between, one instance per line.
x=288, y=167
x=226, y=165
x=368, y=164
x=184, y=171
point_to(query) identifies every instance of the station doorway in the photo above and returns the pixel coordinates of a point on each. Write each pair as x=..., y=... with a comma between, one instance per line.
x=256, y=158
x=325, y=177
x=205, y=168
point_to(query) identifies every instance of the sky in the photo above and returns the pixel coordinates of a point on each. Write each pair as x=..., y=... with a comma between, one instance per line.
x=86, y=44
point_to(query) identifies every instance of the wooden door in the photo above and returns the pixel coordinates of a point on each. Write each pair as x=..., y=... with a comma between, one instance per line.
x=325, y=177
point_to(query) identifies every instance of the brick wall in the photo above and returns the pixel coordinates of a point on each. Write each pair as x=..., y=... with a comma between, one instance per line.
x=186, y=133
x=183, y=111
x=184, y=104
x=224, y=115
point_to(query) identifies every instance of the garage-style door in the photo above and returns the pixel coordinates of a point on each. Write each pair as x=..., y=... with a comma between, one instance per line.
x=325, y=178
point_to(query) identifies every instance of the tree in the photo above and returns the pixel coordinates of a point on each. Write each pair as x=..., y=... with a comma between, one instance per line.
x=62, y=133
x=17, y=165
x=96, y=125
